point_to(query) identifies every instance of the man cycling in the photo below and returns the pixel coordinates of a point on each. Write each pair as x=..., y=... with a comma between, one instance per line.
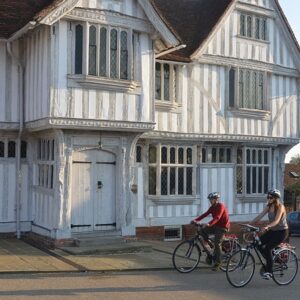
x=218, y=226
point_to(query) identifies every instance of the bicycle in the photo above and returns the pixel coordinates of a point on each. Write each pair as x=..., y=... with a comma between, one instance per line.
x=187, y=254
x=241, y=265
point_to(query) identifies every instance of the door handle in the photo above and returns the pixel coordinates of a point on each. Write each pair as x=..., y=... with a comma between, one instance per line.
x=99, y=185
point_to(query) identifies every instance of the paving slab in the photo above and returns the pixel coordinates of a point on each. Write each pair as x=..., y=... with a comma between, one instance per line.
x=18, y=256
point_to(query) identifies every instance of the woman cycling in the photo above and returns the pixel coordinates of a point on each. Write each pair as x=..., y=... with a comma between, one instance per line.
x=275, y=232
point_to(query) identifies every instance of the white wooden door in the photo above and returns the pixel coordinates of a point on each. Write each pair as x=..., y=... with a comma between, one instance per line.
x=93, y=191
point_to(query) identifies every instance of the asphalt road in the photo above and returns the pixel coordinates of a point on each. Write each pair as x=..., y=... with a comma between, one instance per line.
x=157, y=285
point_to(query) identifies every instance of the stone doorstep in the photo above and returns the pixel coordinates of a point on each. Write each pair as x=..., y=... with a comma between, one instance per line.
x=116, y=248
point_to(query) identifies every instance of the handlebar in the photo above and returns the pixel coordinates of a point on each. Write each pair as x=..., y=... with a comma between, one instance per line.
x=251, y=228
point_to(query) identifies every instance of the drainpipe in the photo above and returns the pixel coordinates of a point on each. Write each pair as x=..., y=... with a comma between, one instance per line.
x=21, y=122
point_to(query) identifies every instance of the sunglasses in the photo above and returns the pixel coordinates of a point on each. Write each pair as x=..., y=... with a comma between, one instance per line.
x=269, y=197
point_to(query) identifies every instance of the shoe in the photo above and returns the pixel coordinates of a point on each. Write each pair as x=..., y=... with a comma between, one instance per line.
x=216, y=267
x=266, y=275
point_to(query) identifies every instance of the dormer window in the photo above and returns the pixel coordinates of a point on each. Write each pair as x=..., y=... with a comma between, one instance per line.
x=254, y=27
x=104, y=58
x=108, y=52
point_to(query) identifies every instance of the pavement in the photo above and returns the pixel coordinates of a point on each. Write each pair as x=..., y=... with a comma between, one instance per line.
x=17, y=256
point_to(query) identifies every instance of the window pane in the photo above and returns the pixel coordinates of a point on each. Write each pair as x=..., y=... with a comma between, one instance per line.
x=189, y=156
x=266, y=156
x=239, y=156
x=164, y=155
x=166, y=82
x=204, y=155
x=164, y=181
x=259, y=152
x=263, y=30
x=1, y=149
x=254, y=180
x=248, y=156
x=266, y=179
x=172, y=155
x=254, y=102
x=228, y=156
x=124, y=56
x=214, y=155
x=78, y=49
x=51, y=176
x=221, y=155
x=138, y=154
x=260, y=91
x=152, y=154
x=113, y=53
x=241, y=89
x=158, y=81
x=180, y=155
x=53, y=149
x=242, y=25
x=23, y=149
x=152, y=181
x=11, y=149
x=248, y=180
x=254, y=156
x=92, y=50
x=249, y=26
x=103, y=45
x=180, y=181
x=231, y=87
x=189, y=181
x=172, y=180
x=247, y=99
x=260, y=180
x=257, y=28
x=239, y=180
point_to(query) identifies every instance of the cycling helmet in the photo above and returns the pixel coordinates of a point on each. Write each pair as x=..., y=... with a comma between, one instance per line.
x=274, y=193
x=213, y=195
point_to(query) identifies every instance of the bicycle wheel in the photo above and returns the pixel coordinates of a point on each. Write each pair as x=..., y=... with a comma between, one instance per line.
x=285, y=266
x=240, y=268
x=229, y=246
x=186, y=256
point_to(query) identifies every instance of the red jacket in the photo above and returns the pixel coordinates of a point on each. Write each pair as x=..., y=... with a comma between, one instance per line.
x=219, y=214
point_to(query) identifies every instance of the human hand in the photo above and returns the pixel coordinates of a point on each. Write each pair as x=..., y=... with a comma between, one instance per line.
x=264, y=229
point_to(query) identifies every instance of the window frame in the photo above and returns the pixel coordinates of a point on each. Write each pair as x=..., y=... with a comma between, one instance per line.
x=159, y=165
x=234, y=86
x=97, y=80
x=244, y=165
x=45, y=164
x=244, y=32
x=173, y=101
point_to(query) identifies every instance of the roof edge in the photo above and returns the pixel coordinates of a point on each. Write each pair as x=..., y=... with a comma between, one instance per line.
x=170, y=38
x=202, y=45
x=56, y=13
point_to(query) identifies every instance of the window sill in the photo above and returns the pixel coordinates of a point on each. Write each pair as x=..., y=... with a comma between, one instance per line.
x=179, y=200
x=250, y=113
x=253, y=40
x=103, y=83
x=167, y=106
x=254, y=199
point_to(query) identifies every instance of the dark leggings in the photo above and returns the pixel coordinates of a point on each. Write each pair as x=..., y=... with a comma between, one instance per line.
x=270, y=240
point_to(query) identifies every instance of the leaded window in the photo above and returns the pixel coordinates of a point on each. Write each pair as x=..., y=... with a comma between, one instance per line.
x=78, y=49
x=253, y=27
x=165, y=82
x=249, y=92
x=45, y=163
x=216, y=154
x=108, y=52
x=173, y=174
x=253, y=171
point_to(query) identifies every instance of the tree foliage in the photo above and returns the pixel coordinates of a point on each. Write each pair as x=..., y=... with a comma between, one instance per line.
x=295, y=160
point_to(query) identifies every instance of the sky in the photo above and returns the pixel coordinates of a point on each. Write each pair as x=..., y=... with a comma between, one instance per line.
x=291, y=9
